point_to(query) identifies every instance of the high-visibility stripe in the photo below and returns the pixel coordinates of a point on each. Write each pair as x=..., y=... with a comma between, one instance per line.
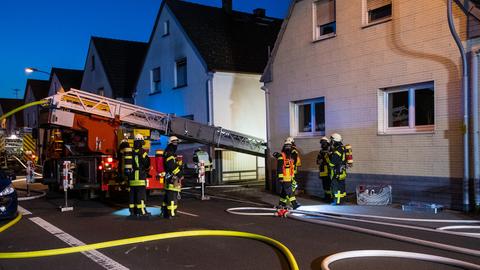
x=170, y=157
x=292, y=198
x=145, y=154
x=176, y=171
x=172, y=188
x=131, y=205
x=136, y=183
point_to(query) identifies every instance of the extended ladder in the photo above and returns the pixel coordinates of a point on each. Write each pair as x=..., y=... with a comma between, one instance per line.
x=166, y=124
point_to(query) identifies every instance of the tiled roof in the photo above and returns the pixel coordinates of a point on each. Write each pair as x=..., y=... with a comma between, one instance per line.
x=227, y=41
x=8, y=104
x=69, y=78
x=39, y=88
x=122, y=61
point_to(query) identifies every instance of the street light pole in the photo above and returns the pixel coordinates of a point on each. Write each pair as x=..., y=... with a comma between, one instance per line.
x=32, y=69
x=16, y=92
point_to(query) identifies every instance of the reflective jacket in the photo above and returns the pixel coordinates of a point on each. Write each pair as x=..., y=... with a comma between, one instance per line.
x=285, y=168
x=337, y=163
x=322, y=161
x=141, y=166
x=173, y=170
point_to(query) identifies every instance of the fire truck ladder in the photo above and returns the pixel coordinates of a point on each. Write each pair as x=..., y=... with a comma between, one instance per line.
x=166, y=124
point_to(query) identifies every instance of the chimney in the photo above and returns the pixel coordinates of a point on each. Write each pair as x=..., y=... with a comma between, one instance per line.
x=227, y=6
x=259, y=12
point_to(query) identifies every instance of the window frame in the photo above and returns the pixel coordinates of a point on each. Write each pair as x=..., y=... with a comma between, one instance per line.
x=177, y=62
x=317, y=28
x=411, y=128
x=366, y=15
x=153, y=89
x=294, y=120
x=166, y=28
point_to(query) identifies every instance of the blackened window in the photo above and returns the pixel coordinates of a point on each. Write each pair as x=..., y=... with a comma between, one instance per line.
x=181, y=73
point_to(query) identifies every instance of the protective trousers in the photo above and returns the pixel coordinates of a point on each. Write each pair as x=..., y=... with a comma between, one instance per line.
x=137, y=196
x=338, y=189
x=327, y=187
x=170, y=200
x=286, y=195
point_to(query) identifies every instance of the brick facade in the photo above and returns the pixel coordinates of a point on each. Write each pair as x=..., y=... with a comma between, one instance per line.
x=350, y=70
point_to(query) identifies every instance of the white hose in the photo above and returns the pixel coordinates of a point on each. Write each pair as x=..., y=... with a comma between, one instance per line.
x=460, y=227
x=395, y=254
x=373, y=232
x=25, y=166
x=320, y=214
x=42, y=194
x=403, y=219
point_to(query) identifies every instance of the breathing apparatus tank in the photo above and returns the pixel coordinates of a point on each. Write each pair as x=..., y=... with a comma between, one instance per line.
x=349, y=155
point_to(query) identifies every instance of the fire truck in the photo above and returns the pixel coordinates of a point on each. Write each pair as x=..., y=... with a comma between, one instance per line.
x=86, y=129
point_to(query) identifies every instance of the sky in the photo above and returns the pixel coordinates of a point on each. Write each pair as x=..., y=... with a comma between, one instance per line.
x=56, y=33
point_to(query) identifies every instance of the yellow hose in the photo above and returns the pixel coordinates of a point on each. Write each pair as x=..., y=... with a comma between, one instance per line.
x=115, y=243
x=11, y=223
x=40, y=102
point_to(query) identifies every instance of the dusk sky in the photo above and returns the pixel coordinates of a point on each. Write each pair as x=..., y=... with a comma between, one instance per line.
x=56, y=33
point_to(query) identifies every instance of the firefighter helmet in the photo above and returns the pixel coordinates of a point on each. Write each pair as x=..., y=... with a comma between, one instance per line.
x=289, y=140
x=139, y=137
x=324, y=138
x=173, y=139
x=336, y=137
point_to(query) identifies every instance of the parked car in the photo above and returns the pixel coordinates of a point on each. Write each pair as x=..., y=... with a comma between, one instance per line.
x=8, y=197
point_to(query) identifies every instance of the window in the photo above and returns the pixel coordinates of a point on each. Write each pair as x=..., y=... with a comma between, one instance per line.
x=324, y=24
x=309, y=117
x=166, y=28
x=101, y=91
x=181, y=73
x=409, y=108
x=92, y=63
x=155, y=80
x=378, y=10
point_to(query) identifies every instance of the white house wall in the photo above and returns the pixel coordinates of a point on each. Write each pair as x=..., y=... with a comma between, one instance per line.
x=94, y=80
x=239, y=105
x=55, y=86
x=163, y=52
x=30, y=114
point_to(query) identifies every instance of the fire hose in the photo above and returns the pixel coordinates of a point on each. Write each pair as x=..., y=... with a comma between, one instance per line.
x=294, y=214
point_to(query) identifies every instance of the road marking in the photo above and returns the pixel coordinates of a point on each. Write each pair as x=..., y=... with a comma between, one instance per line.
x=94, y=255
x=181, y=212
x=188, y=214
x=23, y=211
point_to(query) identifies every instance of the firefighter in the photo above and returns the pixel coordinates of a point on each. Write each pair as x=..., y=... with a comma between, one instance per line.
x=285, y=175
x=322, y=162
x=137, y=179
x=337, y=168
x=297, y=163
x=173, y=178
x=126, y=159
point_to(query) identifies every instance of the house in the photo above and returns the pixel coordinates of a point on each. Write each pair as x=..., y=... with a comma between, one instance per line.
x=386, y=75
x=15, y=121
x=112, y=67
x=204, y=63
x=62, y=79
x=34, y=90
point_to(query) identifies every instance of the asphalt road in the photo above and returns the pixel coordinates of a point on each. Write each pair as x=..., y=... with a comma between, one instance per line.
x=97, y=221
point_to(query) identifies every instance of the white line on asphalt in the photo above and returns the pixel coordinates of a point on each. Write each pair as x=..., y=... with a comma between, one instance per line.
x=188, y=214
x=94, y=255
x=23, y=211
x=181, y=212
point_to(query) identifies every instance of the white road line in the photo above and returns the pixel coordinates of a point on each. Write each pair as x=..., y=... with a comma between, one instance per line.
x=188, y=214
x=94, y=255
x=181, y=212
x=23, y=211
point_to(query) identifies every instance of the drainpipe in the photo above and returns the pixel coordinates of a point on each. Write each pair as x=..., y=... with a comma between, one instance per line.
x=466, y=174
x=476, y=153
x=268, y=165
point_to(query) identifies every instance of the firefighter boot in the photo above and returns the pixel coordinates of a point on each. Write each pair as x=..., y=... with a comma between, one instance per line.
x=295, y=204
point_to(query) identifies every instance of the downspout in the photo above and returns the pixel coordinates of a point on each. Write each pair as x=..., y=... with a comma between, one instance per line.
x=210, y=120
x=268, y=165
x=476, y=154
x=466, y=173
